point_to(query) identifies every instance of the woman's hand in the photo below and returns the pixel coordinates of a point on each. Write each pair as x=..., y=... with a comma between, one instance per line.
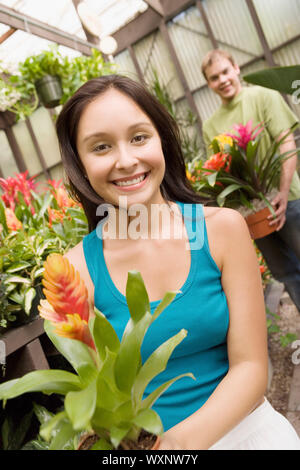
x=169, y=442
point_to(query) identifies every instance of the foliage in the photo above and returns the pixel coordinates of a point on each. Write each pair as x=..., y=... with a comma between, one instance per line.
x=72, y=72
x=105, y=393
x=273, y=327
x=191, y=143
x=236, y=175
x=36, y=225
x=15, y=96
x=283, y=79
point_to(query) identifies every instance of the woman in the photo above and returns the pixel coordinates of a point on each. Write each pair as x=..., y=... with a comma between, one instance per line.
x=120, y=147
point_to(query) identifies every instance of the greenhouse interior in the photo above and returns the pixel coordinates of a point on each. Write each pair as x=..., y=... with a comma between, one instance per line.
x=81, y=365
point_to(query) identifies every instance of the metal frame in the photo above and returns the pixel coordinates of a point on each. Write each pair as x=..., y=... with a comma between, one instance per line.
x=30, y=25
x=154, y=18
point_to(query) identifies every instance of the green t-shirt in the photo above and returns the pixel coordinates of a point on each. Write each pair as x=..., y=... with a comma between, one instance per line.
x=259, y=105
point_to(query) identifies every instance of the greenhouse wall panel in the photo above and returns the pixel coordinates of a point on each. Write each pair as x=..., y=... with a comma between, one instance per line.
x=233, y=28
x=44, y=129
x=191, y=42
x=280, y=19
x=7, y=162
x=25, y=143
x=153, y=55
x=125, y=65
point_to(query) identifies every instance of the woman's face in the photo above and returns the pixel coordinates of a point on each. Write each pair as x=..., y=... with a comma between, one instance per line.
x=120, y=150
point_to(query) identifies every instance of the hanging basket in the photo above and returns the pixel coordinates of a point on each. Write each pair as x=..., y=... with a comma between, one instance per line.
x=49, y=90
x=258, y=224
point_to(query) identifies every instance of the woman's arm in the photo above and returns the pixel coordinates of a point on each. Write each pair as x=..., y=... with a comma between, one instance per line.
x=243, y=387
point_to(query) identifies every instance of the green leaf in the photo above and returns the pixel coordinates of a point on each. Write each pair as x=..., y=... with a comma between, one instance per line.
x=18, y=279
x=128, y=360
x=50, y=381
x=151, y=399
x=230, y=189
x=2, y=217
x=150, y=421
x=103, y=419
x=28, y=298
x=117, y=435
x=212, y=178
x=167, y=300
x=215, y=146
x=76, y=352
x=64, y=437
x=136, y=296
x=46, y=203
x=18, y=266
x=80, y=406
x=104, y=335
x=42, y=414
x=102, y=444
x=276, y=78
x=47, y=428
x=154, y=365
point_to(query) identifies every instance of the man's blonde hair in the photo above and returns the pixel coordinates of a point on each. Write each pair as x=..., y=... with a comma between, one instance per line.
x=212, y=56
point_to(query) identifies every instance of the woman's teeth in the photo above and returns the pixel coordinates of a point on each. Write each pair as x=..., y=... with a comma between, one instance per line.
x=131, y=182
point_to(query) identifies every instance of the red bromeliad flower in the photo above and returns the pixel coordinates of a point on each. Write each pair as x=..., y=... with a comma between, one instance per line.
x=11, y=186
x=67, y=305
x=246, y=133
x=217, y=162
x=61, y=195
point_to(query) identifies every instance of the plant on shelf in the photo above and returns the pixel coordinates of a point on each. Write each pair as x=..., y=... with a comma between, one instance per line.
x=236, y=176
x=52, y=77
x=104, y=406
x=15, y=99
x=32, y=225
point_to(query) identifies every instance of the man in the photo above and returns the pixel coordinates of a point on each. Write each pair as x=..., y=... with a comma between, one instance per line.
x=281, y=249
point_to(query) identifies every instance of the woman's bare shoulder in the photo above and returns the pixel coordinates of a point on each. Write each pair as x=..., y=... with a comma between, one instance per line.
x=223, y=218
x=226, y=228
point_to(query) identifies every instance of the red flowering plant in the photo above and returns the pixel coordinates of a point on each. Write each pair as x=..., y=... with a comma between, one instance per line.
x=104, y=403
x=236, y=175
x=35, y=220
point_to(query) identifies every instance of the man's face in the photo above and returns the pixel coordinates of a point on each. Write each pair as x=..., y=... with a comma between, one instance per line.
x=223, y=79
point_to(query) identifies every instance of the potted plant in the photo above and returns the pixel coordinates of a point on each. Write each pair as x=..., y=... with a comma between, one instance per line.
x=235, y=176
x=104, y=396
x=44, y=71
x=16, y=101
x=57, y=77
x=32, y=225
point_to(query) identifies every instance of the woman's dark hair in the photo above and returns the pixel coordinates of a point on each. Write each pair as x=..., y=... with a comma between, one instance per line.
x=175, y=185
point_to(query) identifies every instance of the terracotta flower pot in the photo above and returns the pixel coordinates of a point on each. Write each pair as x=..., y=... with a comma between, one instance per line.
x=258, y=224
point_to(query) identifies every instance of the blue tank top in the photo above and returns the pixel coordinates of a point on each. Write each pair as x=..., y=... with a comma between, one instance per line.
x=200, y=308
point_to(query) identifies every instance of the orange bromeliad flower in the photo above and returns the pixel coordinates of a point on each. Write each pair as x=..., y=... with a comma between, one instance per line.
x=13, y=223
x=75, y=328
x=218, y=161
x=67, y=295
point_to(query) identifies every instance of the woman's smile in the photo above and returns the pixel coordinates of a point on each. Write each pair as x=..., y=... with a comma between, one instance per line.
x=132, y=183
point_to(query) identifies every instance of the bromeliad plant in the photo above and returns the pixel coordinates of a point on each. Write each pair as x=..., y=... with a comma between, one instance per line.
x=104, y=395
x=237, y=175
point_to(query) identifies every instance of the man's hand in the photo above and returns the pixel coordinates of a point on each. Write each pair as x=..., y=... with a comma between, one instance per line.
x=279, y=204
